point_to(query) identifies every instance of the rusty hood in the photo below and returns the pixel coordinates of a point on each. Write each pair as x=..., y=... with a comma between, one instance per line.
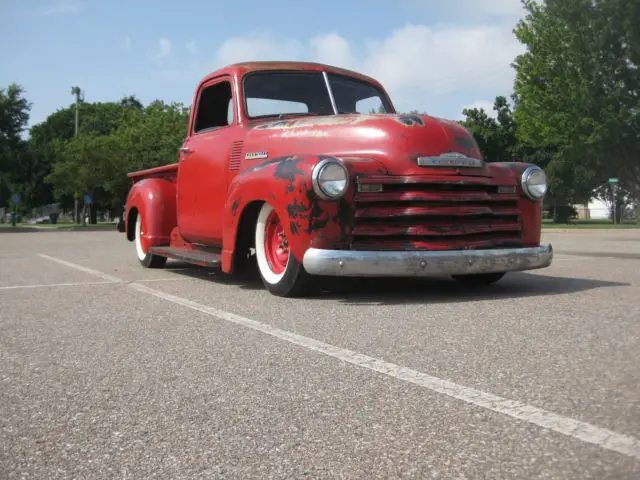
x=398, y=143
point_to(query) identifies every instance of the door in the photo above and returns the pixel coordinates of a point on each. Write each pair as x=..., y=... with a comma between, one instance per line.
x=204, y=157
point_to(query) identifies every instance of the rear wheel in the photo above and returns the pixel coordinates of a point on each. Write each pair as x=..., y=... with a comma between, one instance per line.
x=479, y=280
x=279, y=270
x=142, y=248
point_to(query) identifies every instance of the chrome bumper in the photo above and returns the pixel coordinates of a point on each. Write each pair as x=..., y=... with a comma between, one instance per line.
x=353, y=263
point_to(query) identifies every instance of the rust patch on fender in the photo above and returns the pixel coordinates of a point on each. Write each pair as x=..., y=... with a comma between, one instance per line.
x=318, y=218
x=267, y=163
x=287, y=169
x=344, y=218
x=295, y=208
x=234, y=207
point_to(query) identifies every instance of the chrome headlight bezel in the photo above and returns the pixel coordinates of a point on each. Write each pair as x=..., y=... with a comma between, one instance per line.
x=316, y=179
x=526, y=183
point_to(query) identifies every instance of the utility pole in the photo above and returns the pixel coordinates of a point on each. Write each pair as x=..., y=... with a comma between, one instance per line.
x=79, y=97
x=615, y=206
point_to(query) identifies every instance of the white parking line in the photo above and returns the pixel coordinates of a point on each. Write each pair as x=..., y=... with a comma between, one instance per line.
x=45, y=285
x=607, y=439
x=91, y=271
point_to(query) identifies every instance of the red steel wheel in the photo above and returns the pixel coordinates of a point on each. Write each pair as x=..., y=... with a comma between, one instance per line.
x=276, y=244
x=281, y=272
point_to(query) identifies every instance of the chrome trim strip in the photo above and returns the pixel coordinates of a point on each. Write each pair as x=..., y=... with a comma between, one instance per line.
x=354, y=263
x=450, y=159
x=333, y=100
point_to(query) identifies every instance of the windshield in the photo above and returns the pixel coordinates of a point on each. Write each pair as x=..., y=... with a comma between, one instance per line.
x=306, y=93
x=356, y=96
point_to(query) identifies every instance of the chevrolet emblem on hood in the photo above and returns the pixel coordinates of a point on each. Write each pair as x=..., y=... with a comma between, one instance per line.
x=450, y=159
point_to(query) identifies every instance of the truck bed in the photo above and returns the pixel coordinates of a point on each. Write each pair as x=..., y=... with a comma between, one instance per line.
x=165, y=171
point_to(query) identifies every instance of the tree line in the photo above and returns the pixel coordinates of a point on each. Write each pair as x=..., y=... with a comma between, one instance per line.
x=574, y=110
x=113, y=138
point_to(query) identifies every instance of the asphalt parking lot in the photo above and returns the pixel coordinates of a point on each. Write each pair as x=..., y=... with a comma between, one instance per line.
x=109, y=370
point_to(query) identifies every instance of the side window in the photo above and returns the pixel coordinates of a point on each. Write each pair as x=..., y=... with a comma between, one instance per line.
x=215, y=107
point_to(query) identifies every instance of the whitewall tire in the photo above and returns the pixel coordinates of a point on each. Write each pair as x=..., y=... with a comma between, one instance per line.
x=279, y=270
x=146, y=259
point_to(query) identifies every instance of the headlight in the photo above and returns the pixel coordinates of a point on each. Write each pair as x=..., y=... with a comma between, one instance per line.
x=534, y=183
x=330, y=179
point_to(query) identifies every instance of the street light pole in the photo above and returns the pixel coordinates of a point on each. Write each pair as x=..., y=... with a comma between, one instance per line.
x=79, y=96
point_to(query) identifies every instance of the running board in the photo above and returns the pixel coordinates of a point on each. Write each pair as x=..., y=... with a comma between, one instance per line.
x=196, y=257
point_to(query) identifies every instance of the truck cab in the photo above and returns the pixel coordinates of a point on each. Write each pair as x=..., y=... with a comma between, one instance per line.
x=306, y=170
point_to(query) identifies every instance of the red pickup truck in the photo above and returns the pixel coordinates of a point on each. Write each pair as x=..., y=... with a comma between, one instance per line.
x=285, y=166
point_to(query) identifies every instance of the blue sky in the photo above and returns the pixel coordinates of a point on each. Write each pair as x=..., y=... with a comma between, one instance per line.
x=432, y=55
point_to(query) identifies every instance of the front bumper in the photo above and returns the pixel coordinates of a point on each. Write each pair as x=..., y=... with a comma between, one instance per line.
x=352, y=263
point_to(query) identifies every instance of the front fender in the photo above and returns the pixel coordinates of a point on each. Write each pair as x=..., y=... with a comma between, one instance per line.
x=285, y=183
x=155, y=200
x=531, y=212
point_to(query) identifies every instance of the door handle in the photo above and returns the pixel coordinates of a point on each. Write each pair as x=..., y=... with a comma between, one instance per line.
x=186, y=150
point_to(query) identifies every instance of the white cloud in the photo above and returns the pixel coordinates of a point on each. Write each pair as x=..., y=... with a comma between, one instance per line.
x=258, y=47
x=191, y=47
x=164, y=48
x=419, y=65
x=443, y=60
x=331, y=49
x=486, y=105
x=57, y=7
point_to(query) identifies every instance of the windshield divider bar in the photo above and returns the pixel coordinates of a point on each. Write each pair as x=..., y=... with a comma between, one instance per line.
x=333, y=100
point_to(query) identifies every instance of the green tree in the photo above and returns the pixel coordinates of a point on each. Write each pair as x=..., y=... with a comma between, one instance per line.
x=131, y=138
x=496, y=137
x=14, y=116
x=577, y=90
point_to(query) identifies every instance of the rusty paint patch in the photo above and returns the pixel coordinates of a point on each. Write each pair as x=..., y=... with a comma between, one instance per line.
x=267, y=163
x=318, y=219
x=295, y=209
x=344, y=218
x=234, y=207
x=287, y=169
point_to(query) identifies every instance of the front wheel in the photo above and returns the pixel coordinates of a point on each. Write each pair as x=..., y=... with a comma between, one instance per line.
x=281, y=273
x=479, y=280
x=146, y=259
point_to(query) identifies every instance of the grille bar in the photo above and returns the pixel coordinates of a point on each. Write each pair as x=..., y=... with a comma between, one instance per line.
x=434, y=229
x=435, y=213
x=448, y=196
x=457, y=211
